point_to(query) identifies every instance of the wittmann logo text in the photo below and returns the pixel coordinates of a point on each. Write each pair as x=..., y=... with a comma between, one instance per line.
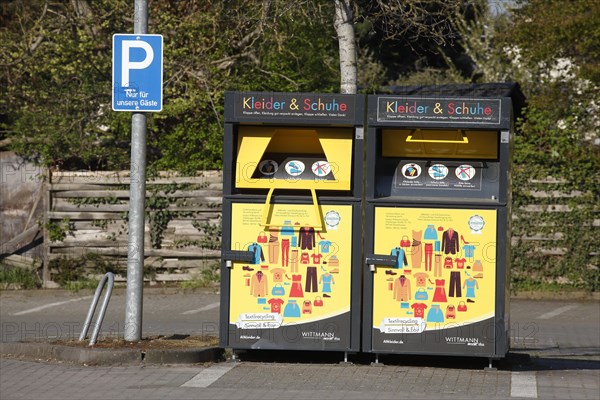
x=464, y=340
x=456, y=339
x=318, y=335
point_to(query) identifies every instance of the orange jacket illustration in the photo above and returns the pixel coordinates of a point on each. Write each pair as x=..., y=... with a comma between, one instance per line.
x=402, y=289
x=259, y=286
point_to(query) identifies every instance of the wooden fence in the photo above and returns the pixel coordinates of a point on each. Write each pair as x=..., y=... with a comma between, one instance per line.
x=85, y=226
x=85, y=221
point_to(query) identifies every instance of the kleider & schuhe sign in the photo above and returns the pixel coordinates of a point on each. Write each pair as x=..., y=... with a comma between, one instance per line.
x=438, y=110
x=294, y=106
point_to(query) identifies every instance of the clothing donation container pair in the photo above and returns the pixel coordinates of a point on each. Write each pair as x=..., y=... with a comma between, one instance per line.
x=290, y=276
x=425, y=271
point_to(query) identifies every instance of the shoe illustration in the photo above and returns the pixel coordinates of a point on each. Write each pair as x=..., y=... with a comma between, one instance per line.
x=479, y=275
x=388, y=272
x=470, y=301
x=247, y=268
x=334, y=271
x=326, y=295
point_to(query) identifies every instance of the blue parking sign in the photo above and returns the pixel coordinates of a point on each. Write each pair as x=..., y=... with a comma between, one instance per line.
x=137, y=72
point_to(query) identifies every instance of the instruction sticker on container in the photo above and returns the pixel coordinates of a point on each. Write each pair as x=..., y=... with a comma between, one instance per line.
x=455, y=175
x=259, y=321
x=402, y=325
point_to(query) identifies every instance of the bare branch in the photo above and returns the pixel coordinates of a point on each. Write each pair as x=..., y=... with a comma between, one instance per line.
x=416, y=18
x=252, y=36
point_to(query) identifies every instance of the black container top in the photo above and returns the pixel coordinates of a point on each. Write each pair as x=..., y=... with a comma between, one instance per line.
x=294, y=108
x=486, y=106
x=482, y=90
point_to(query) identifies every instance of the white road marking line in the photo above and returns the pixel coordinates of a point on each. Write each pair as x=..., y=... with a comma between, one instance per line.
x=523, y=384
x=59, y=303
x=205, y=308
x=208, y=376
x=557, y=311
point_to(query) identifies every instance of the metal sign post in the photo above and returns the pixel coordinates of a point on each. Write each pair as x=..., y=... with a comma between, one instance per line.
x=137, y=197
x=137, y=87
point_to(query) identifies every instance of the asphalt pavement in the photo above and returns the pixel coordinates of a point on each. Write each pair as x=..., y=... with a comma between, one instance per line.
x=555, y=354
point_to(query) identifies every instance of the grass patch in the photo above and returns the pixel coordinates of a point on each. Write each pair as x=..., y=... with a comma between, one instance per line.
x=18, y=277
x=76, y=286
x=520, y=286
x=209, y=277
x=160, y=342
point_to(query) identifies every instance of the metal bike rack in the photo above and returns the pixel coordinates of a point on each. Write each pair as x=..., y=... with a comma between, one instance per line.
x=110, y=277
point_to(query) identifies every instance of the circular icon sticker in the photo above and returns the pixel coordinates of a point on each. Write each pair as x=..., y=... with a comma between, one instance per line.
x=476, y=223
x=465, y=172
x=268, y=167
x=321, y=168
x=294, y=168
x=332, y=219
x=411, y=171
x=438, y=171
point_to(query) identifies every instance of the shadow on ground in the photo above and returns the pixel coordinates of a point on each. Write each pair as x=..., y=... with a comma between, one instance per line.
x=514, y=361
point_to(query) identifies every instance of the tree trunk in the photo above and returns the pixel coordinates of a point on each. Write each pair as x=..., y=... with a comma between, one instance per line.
x=344, y=28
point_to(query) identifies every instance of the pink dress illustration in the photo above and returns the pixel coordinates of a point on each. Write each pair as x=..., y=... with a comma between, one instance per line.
x=296, y=290
x=439, y=296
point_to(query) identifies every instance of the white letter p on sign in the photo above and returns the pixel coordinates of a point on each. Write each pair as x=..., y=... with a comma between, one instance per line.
x=128, y=65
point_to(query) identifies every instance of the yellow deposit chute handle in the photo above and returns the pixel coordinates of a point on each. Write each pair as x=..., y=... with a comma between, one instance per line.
x=463, y=140
x=318, y=225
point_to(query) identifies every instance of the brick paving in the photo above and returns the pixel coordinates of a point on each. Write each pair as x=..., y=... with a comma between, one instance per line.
x=26, y=379
x=22, y=379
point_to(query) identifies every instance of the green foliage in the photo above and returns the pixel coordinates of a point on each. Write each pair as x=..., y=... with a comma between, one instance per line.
x=95, y=201
x=209, y=277
x=555, y=154
x=18, y=277
x=74, y=272
x=159, y=217
x=82, y=284
x=57, y=81
x=553, y=176
x=547, y=30
x=212, y=232
x=101, y=265
x=67, y=269
x=56, y=76
x=58, y=231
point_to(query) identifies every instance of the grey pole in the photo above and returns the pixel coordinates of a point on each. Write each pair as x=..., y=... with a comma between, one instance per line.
x=137, y=197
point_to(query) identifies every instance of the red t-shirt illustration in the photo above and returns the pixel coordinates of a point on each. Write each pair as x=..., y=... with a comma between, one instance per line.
x=276, y=305
x=419, y=309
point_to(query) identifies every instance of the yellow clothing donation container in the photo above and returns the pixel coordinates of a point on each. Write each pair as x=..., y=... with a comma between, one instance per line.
x=291, y=261
x=437, y=222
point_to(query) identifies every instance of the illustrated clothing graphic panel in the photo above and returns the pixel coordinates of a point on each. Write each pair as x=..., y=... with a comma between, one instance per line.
x=290, y=268
x=436, y=274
